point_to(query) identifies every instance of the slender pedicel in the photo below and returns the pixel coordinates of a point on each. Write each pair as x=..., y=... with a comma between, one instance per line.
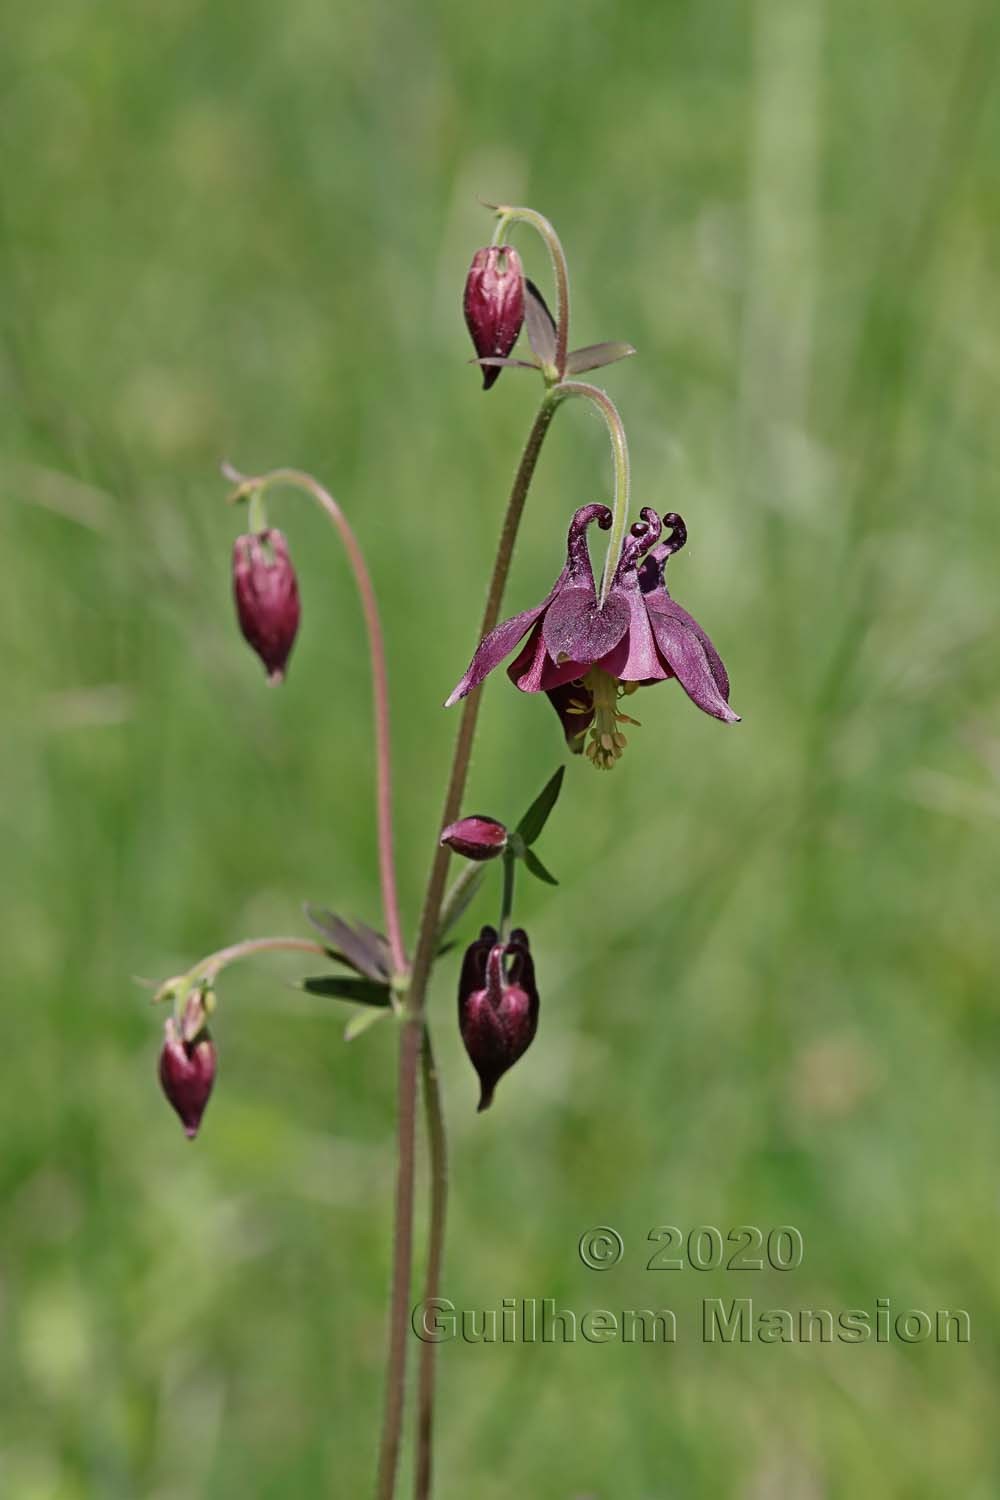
x=296, y=479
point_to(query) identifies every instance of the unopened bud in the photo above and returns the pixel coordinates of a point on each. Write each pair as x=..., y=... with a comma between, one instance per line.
x=476, y=837
x=187, y=1073
x=494, y=305
x=497, y=1006
x=267, y=597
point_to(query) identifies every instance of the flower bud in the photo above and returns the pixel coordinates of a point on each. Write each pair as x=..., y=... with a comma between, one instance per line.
x=494, y=305
x=497, y=1006
x=267, y=597
x=476, y=837
x=187, y=1073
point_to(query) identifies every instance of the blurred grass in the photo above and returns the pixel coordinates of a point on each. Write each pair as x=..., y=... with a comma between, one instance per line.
x=769, y=989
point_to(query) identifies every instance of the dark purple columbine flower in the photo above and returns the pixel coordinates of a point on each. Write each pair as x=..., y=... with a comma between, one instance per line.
x=187, y=1073
x=267, y=597
x=585, y=655
x=494, y=305
x=497, y=1005
x=476, y=837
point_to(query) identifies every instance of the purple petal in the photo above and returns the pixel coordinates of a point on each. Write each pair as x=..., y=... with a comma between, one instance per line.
x=577, y=628
x=691, y=657
x=635, y=658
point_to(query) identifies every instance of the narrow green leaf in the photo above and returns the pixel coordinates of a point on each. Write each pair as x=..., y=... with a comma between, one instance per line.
x=535, y=867
x=341, y=987
x=362, y=1021
x=537, y=815
x=593, y=356
x=461, y=897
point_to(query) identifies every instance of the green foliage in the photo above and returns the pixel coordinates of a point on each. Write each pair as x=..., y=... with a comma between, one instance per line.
x=769, y=976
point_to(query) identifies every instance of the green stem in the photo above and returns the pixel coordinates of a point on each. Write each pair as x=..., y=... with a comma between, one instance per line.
x=507, y=899
x=619, y=450
x=507, y=217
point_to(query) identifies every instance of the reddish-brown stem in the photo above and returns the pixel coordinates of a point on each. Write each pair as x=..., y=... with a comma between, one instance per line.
x=437, y=1146
x=208, y=968
x=410, y=1049
x=380, y=685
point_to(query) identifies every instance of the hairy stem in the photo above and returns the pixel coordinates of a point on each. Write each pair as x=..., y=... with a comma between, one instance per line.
x=438, y=1153
x=248, y=488
x=412, y=1030
x=619, y=450
x=207, y=969
x=507, y=217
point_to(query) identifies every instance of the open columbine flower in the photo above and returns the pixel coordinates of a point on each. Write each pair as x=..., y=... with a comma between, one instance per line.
x=586, y=655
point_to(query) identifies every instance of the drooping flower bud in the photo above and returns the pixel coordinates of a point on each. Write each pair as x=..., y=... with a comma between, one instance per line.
x=476, y=837
x=497, y=1005
x=267, y=597
x=494, y=305
x=187, y=1073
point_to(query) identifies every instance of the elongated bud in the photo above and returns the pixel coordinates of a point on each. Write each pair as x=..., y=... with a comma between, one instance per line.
x=494, y=304
x=267, y=597
x=187, y=1073
x=497, y=1006
x=476, y=837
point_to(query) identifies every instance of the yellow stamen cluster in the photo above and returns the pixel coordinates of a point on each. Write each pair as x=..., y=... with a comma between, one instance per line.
x=606, y=742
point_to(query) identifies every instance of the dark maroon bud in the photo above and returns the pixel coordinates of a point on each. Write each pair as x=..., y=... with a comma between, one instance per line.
x=187, y=1073
x=476, y=837
x=267, y=597
x=494, y=305
x=497, y=1006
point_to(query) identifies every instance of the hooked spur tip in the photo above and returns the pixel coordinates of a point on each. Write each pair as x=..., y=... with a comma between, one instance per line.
x=485, y=1099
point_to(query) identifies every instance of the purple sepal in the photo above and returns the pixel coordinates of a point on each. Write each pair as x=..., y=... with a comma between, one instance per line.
x=576, y=574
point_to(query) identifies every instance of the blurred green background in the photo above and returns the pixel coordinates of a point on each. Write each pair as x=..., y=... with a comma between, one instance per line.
x=769, y=976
